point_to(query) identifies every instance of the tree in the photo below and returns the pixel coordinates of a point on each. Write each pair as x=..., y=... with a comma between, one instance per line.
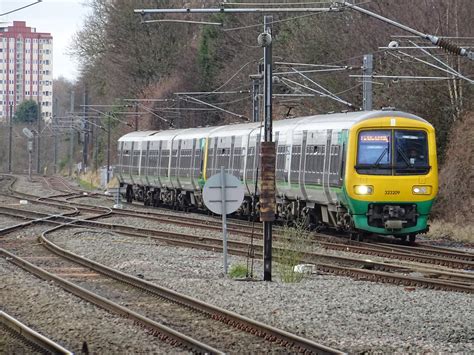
x=26, y=112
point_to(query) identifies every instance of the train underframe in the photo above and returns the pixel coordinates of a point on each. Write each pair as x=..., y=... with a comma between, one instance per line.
x=313, y=216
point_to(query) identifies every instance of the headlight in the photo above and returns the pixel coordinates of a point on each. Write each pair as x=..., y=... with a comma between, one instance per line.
x=421, y=190
x=363, y=190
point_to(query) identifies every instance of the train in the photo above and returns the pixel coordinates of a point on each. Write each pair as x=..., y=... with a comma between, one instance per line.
x=364, y=172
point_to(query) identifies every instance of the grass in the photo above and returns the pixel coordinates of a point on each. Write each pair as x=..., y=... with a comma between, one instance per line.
x=292, y=248
x=87, y=185
x=238, y=271
x=440, y=229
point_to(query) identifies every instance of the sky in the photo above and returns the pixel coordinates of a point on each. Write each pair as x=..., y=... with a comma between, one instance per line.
x=61, y=18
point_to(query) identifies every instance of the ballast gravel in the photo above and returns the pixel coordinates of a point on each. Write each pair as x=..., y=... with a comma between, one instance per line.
x=353, y=316
x=68, y=320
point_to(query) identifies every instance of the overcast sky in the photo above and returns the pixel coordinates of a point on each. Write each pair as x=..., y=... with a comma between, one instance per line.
x=61, y=18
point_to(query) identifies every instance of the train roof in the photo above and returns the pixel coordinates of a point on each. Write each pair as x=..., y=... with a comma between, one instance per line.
x=136, y=135
x=327, y=121
x=199, y=132
x=234, y=129
x=164, y=135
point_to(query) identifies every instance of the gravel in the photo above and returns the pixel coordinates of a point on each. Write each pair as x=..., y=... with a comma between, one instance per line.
x=68, y=320
x=354, y=316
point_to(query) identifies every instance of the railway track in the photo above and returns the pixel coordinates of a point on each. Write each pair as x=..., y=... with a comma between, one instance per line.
x=356, y=268
x=428, y=255
x=151, y=306
x=29, y=337
x=433, y=256
x=417, y=253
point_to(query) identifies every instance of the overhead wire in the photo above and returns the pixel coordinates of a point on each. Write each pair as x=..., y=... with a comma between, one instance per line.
x=235, y=74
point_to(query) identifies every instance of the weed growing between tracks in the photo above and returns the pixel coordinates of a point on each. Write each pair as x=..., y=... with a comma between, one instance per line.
x=238, y=271
x=291, y=249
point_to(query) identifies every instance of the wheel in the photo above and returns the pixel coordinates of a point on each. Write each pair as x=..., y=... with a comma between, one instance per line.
x=129, y=194
x=412, y=238
x=358, y=236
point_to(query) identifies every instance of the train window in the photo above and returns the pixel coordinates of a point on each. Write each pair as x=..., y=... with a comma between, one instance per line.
x=295, y=163
x=164, y=162
x=411, y=152
x=374, y=154
x=409, y=156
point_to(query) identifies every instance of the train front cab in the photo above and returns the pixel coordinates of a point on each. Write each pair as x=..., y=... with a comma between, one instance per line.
x=391, y=176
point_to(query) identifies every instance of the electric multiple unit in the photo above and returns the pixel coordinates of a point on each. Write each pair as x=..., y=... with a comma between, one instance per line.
x=362, y=172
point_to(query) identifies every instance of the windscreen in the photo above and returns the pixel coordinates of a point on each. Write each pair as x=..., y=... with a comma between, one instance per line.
x=392, y=152
x=375, y=152
x=411, y=155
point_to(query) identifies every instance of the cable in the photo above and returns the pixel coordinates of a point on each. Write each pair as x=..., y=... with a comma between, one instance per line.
x=272, y=22
x=277, y=4
x=233, y=76
x=21, y=8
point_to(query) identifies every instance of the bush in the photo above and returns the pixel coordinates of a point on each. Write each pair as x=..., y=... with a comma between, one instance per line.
x=455, y=196
x=442, y=230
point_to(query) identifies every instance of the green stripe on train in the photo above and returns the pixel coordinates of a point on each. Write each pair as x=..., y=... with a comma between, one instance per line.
x=359, y=210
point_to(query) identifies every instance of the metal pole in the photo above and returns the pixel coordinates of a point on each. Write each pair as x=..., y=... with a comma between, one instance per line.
x=10, y=137
x=96, y=144
x=367, y=70
x=136, y=116
x=224, y=219
x=30, y=157
x=71, y=138
x=108, y=147
x=38, y=162
x=267, y=91
x=86, y=131
x=55, y=134
x=256, y=99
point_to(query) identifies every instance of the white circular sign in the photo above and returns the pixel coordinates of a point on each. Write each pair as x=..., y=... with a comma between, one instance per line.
x=233, y=193
x=28, y=133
